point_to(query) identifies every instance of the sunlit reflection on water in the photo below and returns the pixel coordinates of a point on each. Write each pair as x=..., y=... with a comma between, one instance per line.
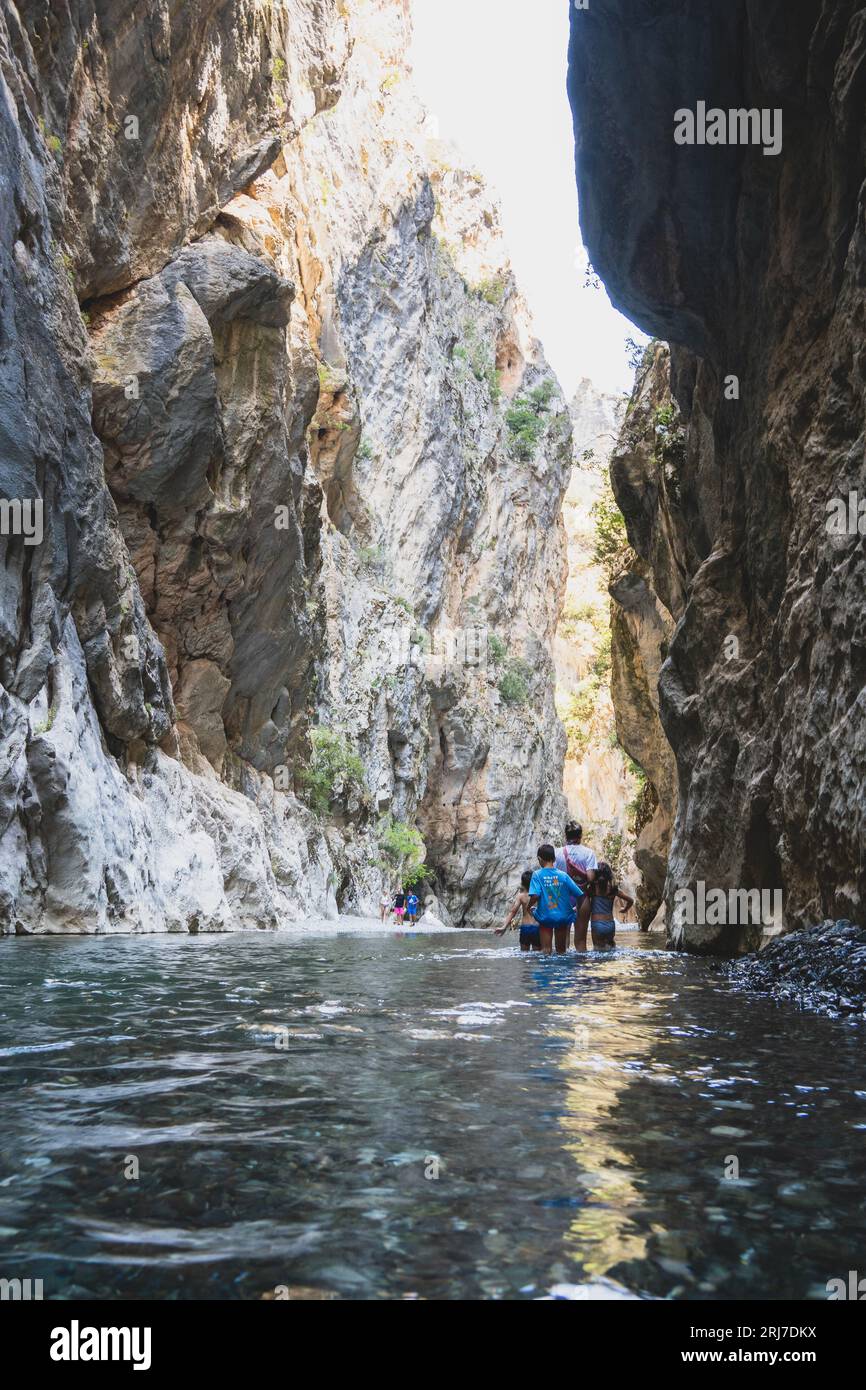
x=383, y=1116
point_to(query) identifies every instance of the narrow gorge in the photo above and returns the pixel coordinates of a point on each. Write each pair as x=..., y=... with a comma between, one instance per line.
x=432, y=667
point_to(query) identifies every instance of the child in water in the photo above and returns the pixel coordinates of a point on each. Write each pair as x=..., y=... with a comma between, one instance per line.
x=603, y=897
x=530, y=932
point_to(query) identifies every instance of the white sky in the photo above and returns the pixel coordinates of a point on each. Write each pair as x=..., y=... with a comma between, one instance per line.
x=494, y=71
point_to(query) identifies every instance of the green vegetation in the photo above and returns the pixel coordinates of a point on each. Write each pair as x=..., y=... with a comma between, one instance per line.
x=642, y=807
x=493, y=290
x=670, y=449
x=404, y=850
x=580, y=713
x=47, y=723
x=480, y=360
x=638, y=355
x=278, y=69
x=614, y=851
x=596, y=615
x=370, y=555
x=365, y=450
x=611, y=540
x=54, y=142
x=64, y=261
x=405, y=605
x=514, y=683
x=497, y=649
x=334, y=769
x=329, y=378
x=527, y=420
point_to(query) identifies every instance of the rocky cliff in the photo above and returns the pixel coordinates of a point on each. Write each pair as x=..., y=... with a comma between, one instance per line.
x=751, y=264
x=645, y=472
x=301, y=464
x=599, y=782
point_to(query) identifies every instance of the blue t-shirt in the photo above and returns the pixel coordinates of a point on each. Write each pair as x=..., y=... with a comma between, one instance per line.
x=412, y=904
x=558, y=896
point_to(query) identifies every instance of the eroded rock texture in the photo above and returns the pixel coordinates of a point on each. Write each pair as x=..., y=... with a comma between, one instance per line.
x=751, y=266
x=645, y=470
x=251, y=324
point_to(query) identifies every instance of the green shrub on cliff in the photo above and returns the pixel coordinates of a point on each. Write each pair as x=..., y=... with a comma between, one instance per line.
x=514, y=683
x=493, y=290
x=611, y=540
x=333, y=769
x=527, y=420
x=404, y=850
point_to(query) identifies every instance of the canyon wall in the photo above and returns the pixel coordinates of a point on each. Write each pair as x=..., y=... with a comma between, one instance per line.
x=644, y=469
x=599, y=783
x=752, y=266
x=301, y=462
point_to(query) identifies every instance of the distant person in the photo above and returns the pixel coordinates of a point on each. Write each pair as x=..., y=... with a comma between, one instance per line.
x=399, y=907
x=604, y=894
x=554, y=899
x=530, y=931
x=385, y=905
x=412, y=907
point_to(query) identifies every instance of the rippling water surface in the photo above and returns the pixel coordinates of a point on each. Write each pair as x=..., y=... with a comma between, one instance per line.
x=290, y=1097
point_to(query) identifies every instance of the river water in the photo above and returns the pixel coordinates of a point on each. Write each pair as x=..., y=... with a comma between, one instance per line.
x=372, y=1115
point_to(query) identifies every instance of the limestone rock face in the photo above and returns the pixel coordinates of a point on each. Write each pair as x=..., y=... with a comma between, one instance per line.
x=752, y=266
x=599, y=785
x=646, y=467
x=301, y=460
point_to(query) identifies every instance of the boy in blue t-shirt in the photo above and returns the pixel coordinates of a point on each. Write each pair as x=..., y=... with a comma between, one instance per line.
x=554, y=899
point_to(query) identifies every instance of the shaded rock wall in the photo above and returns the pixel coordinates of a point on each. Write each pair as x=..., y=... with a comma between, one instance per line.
x=752, y=266
x=646, y=470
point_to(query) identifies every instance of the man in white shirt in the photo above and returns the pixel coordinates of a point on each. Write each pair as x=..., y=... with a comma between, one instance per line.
x=580, y=863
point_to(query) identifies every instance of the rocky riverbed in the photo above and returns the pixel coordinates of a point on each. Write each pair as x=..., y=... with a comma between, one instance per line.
x=822, y=968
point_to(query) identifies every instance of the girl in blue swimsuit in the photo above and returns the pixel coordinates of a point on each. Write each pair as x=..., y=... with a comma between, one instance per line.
x=604, y=894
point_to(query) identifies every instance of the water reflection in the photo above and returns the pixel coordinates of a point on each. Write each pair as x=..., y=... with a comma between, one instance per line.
x=445, y=1119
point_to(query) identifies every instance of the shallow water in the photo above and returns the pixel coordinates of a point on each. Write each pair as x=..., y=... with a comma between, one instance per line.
x=289, y=1098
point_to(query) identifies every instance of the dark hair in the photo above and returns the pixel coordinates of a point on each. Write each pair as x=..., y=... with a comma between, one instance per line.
x=547, y=854
x=526, y=879
x=604, y=874
x=573, y=833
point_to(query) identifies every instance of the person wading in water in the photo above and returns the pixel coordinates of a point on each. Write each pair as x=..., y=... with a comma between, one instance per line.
x=580, y=863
